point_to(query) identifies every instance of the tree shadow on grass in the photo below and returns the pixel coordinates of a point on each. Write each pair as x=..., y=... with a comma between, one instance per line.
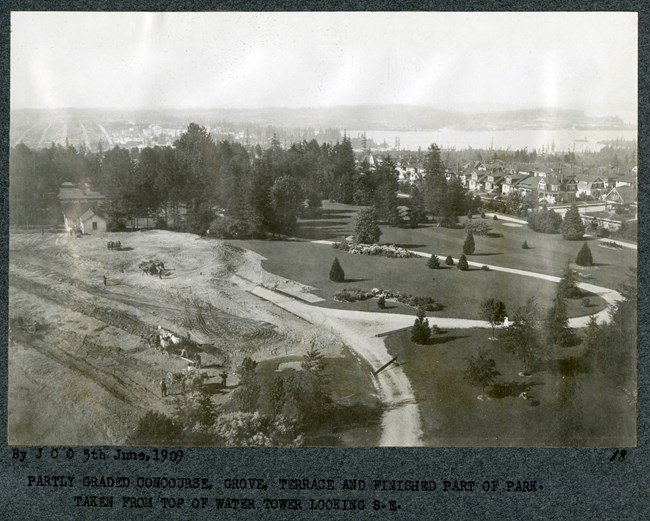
x=441, y=339
x=355, y=280
x=215, y=388
x=511, y=389
x=487, y=254
x=321, y=222
x=570, y=366
x=129, y=248
x=494, y=235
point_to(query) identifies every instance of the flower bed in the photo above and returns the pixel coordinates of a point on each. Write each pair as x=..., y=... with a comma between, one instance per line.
x=356, y=295
x=353, y=295
x=409, y=300
x=610, y=244
x=389, y=250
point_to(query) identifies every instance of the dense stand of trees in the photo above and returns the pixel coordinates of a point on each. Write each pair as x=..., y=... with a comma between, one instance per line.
x=227, y=188
x=186, y=187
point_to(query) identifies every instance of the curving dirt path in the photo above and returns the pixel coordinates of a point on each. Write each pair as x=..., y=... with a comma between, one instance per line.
x=401, y=424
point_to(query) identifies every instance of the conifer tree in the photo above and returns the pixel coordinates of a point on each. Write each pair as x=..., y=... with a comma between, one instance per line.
x=336, y=271
x=420, y=331
x=584, y=257
x=572, y=226
x=433, y=262
x=469, y=246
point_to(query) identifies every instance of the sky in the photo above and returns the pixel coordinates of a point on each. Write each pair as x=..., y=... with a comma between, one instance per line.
x=461, y=61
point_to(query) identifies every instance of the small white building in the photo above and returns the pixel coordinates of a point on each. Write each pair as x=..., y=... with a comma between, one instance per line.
x=91, y=221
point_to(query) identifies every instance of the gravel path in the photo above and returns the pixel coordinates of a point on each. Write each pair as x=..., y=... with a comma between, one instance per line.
x=401, y=424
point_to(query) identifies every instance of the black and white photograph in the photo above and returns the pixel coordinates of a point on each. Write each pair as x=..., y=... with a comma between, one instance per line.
x=323, y=229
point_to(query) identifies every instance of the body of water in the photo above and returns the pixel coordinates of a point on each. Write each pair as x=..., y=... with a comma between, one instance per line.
x=552, y=140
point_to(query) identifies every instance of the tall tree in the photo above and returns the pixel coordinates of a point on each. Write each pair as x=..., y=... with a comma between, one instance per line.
x=435, y=184
x=416, y=207
x=199, y=162
x=557, y=322
x=572, y=227
x=481, y=370
x=366, y=230
x=385, y=189
x=493, y=311
x=524, y=336
x=343, y=171
x=288, y=200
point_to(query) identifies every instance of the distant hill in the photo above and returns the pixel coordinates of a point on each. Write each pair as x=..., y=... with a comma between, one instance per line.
x=40, y=127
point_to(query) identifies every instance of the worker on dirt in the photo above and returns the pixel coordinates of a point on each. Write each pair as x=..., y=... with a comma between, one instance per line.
x=224, y=377
x=163, y=388
x=104, y=280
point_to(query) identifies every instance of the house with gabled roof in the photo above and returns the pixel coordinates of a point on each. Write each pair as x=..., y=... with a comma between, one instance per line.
x=476, y=182
x=76, y=202
x=622, y=198
x=511, y=181
x=529, y=185
x=494, y=181
x=590, y=188
x=92, y=220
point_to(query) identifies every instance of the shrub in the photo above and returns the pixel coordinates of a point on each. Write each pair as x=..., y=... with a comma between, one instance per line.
x=586, y=302
x=482, y=214
x=469, y=214
x=584, y=257
x=469, y=246
x=495, y=218
x=433, y=262
x=485, y=268
x=229, y=228
x=449, y=261
x=381, y=302
x=449, y=221
x=336, y=271
x=602, y=232
x=544, y=220
x=462, y=263
x=314, y=199
x=435, y=330
x=477, y=227
x=525, y=246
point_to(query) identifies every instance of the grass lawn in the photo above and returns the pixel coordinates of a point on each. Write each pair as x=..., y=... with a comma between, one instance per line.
x=581, y=409
x=548, y=253
x=356, y=420
x=460, y=292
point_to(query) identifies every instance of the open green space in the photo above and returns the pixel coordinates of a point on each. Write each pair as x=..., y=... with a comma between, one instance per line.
x=547, y=254
x=460, y=292
x=566, y=407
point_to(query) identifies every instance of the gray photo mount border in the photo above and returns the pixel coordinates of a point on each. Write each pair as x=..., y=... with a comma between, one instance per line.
x=577, y=483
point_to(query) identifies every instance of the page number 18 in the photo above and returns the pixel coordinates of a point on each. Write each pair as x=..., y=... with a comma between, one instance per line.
x=619, y=455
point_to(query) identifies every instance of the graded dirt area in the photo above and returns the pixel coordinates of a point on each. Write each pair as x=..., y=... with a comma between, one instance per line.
x=81, y=370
